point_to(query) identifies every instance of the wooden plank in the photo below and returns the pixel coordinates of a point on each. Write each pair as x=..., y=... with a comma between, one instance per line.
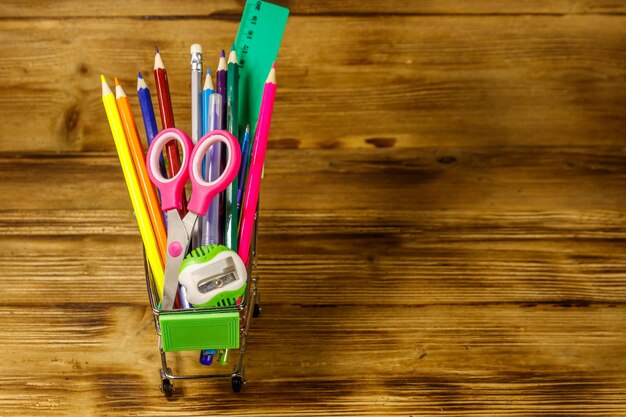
x=505, y=179
x=424, y=258
x=431, y=226
x=471, y=223
x=401, y=81
x=343, y=337
x=398, y=361
x=232, y=9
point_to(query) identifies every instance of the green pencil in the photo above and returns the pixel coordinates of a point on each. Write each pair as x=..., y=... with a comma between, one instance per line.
x=232, y=92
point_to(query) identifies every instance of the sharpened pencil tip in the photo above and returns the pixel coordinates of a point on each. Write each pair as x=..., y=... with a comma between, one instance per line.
x=106, y=90
x=141, y=83
x=248, y=128
x=221, y=65
x=117, y=82
x=208, y=83
x=156, y=50
x=223, y=54
x=271, y=77
x=232, y=57
x=158, y=61
x=208, y=71
x=274, y=65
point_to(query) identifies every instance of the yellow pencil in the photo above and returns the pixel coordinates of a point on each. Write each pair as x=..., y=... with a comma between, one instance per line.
x=136, y=197
x=139, y=162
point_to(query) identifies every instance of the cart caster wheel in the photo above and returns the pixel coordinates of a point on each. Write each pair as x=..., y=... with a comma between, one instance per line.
x=237, y=383
x=257, y=311
x=167, y=388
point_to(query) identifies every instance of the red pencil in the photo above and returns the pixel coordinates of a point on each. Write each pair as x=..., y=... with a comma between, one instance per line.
x=167, y=117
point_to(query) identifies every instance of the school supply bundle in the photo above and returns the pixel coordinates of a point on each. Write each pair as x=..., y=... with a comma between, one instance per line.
x=200, y=250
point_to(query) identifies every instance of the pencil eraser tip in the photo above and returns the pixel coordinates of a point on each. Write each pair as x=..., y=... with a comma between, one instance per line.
x=196, y=48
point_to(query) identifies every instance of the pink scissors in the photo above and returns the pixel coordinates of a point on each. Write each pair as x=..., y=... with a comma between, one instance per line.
x=202, y=192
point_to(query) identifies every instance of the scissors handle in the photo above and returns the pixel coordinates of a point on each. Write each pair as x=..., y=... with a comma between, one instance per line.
x=171, y=189
x=202, y=192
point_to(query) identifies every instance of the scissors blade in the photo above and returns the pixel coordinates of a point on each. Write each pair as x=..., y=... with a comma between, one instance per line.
x=189, y=221
x=177, y=244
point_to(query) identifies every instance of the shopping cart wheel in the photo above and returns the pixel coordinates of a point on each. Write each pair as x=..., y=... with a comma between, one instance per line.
x=167, y=388
x=237, y=382
x=257, y=311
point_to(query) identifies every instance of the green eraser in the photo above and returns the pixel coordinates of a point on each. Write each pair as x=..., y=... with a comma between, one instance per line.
x=199, y=330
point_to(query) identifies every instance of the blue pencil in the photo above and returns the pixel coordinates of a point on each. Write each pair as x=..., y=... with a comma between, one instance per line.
x=147, y=113
x=207, y=90
x=243, y=169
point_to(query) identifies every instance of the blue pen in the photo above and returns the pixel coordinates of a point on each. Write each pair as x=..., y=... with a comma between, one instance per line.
x=147, y=113
x=211, y=233
x=184, y=304
x=206, y=356
x=243, y=169
x=207, y=90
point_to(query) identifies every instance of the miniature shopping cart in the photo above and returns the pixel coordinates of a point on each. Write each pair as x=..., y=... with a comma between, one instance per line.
x=197, y=329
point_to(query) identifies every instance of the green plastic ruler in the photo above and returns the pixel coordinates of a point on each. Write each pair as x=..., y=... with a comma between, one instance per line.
x=258, y=40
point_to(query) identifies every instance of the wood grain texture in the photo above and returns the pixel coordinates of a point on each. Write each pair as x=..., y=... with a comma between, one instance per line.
x=231, y=9
x=403, y=81
x=431, y=247
x=435, y=258
x=497, y=359
x=442, y=221
x=516, y=178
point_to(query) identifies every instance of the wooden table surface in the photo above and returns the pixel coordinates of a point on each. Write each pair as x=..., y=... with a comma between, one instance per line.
x=443, y=224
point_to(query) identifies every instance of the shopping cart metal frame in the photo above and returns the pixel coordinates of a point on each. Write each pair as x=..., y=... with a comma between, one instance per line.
x=249, y=307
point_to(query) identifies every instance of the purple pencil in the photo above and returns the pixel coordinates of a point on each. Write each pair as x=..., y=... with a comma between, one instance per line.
x=220, y=83
x=221, y=77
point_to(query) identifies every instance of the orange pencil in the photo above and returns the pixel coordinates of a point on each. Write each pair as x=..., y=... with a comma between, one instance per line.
x=136, y=150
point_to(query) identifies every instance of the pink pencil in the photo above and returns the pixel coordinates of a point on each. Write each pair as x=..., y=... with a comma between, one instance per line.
x=253, y=182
